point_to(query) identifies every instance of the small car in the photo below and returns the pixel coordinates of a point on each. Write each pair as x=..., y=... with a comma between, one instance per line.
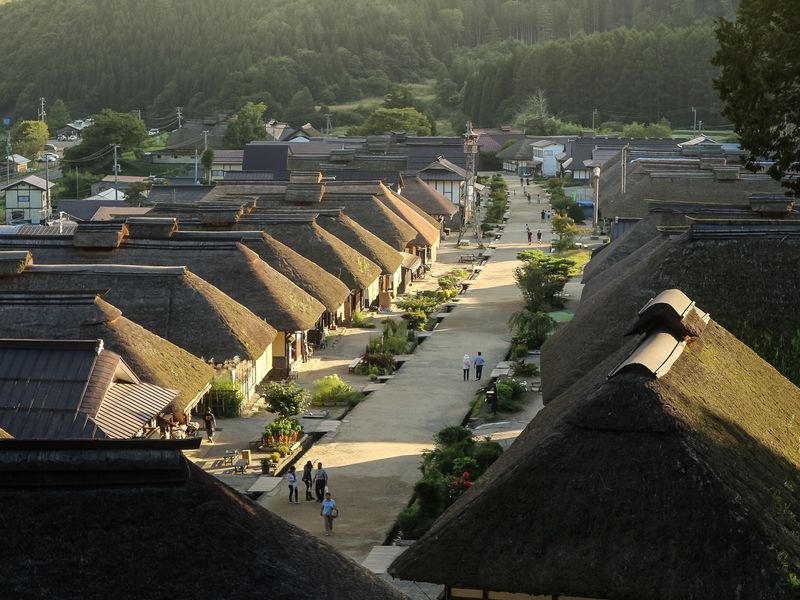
x=48, y=157
x=153, y=132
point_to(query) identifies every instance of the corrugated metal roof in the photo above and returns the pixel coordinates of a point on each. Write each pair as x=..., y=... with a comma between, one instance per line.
x=129, y=406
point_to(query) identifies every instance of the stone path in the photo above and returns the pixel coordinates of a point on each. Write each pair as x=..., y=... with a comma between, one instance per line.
x=373, y=461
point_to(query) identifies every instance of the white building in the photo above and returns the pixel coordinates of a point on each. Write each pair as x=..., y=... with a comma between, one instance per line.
x=544, y=157
x=27, y=200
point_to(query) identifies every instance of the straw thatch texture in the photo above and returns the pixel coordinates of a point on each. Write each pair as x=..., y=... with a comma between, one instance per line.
x=633, y=239
x=306, y=274
x=225, y=264
x=747, y=285
x=634, y=487
x=76, y=317
x=427, y=233
x=361, y=240
x=427, y=198
x=172, y=302
x=326, y=250
x=194, y=539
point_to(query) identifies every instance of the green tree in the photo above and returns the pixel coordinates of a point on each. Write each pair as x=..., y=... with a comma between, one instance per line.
x=285, y=398
x=386, y=120
x=760, y=83
x=399, y=97
x=301, y=109
x=137, y=192
x=57, y=115
x=28, y=138
x=246, y=125
x=109, y=128
x=207, y=160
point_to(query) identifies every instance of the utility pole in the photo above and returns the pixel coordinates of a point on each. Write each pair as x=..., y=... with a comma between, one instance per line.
x=596, y=212
x=196, y=181
x=77, y=184
x=116, y=170
x=8, y=158
x=180, y=117
x=624, y=168
x=694, y=121
x=42, y=112
x=700, y=128
x=46, y=206
x=328, y=124
x=594, y=113
x=205, y=140
x=138, y=112
x=467, y=196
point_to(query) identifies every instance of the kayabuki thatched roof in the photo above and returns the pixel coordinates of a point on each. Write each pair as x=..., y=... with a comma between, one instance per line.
x=427, y=232
x=171, y=302
x=224, y=263
x=191, y=535
x=354, y=235
x=425, y=197
x=749, y=284
x=305, y=236
x=636, y=486
x=81, y=316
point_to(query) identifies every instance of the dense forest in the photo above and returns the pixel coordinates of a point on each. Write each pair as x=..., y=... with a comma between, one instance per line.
x=212, y=56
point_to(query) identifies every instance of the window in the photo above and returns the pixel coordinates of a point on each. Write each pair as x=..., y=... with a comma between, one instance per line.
x=548, y=153
x=17, y=215
x=23, y=199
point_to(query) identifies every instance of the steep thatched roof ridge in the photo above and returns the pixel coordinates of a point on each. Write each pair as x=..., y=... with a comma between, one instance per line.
x=427, y=233
x=426, y=197
x=224, y=263
x=172, y=302
x=67, y=316
x=312, y=241
x=748, y=285
x=109, y=524
x=617, y=478
x=358, y=238
x=619, y=268
x=304, y=273
x=641, y=233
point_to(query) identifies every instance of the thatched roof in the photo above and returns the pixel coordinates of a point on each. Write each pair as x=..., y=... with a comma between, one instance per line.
x=82, y=316
x=172, y=302
x=219, y=543
x=305, y=236
x=224, y=263
x=628, y=243
x=425, y=197
x=427, y=232
x=361, y=240
x=748, y=284
x=680, y=486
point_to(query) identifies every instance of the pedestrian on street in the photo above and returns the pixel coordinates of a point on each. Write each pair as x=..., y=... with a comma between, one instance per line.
x=538, y=198
x=539, y=236
x=529, y=197
x=549, y=215
x=291, y=480
x=467, y=367
x=307, y=468
x=328, y=512
x=520, y=181
x=479, y=362
x=320, y=482
x=210, y=423
x=530, y=237
x=544, y=214
x=527, y=228
x=528, y=181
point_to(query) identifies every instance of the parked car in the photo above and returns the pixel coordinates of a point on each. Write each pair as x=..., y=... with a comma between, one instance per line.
x=48, y=157
x=51, y=148
x=153, y=131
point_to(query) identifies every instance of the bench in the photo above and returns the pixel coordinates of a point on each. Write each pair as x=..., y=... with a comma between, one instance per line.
x=239, y=466
x=466, y=258
x=230, y=457
x=355, y=362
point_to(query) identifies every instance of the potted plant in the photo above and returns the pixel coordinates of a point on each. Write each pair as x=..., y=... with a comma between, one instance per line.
x=266, y=463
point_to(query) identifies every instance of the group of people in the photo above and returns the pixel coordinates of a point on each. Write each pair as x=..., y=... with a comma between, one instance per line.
x=546, y=214
x=318, y=480
x=530, y=234
x=468, y=363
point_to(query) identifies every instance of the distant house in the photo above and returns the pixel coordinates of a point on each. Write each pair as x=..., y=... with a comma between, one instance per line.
x=445, y=177
x=74, y=389
x=190, y=137
x=544, y=157
x=73, y=129
x=27, y=200
x=18, y=163
x=121, y=182
x=226, y=161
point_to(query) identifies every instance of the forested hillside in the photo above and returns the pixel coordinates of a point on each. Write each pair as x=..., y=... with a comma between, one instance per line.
x=214, y=55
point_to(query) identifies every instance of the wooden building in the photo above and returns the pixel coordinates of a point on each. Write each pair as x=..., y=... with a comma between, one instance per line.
x=28, y=200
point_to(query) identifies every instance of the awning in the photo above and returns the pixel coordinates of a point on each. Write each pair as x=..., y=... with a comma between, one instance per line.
x=411, y=262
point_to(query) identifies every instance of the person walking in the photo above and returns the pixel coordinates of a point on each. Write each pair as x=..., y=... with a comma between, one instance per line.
x=210, y=423
x=538, y=198
x=549, y=214
x=467, y=367
x=320, y=482
x=479, y=362
x=530, y=237
x=539, y=236
x=328, y=512
x=307, y=468
x=521, y=181
x=291, y=479
x=544, y=214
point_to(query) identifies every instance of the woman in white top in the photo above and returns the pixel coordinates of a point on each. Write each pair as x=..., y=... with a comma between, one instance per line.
x=291, y=479
x=467, y=367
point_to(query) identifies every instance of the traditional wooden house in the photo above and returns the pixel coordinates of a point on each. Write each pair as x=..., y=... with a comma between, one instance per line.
x=716, y=262
x=423, y=196
x=27, y=200
x=223, y=262
x=16, y=163
x=667, y=471
x=445, y=177
x=143, y=505
x=53, y=389
x=173, y=303
x=82, y=315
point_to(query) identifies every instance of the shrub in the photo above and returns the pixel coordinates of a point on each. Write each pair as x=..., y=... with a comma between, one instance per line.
x=523, y=369
x=362, y=320
x=430, y=493
x=530, y=328
x=447, y=282
x=459, y=274
x=285, y=398
x=414, y=522
x=452, y=435
x=486, y=453
x=282, y=431
x=576, y=213
x=519, y=350
x=331, y=390
x=424, y=302
x=416, y=319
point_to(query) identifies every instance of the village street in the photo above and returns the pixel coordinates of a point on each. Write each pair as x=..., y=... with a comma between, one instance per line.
x=373, y=459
